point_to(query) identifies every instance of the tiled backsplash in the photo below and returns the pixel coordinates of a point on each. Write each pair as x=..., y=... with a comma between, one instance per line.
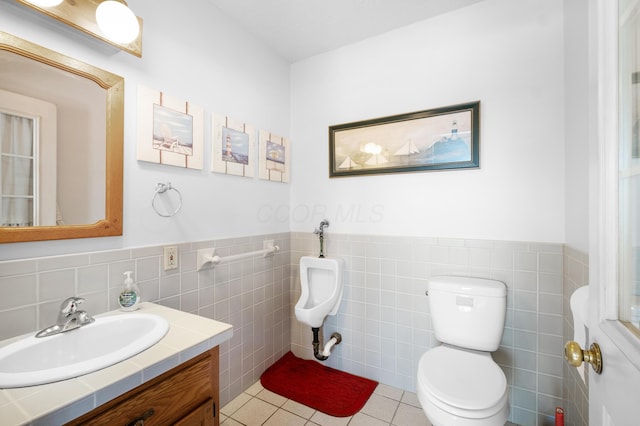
x=383, y=319
x=385, y=322
x=251, y=294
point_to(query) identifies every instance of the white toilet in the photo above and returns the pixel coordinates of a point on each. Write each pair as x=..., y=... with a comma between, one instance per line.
x=322, y=287
x=458, y=382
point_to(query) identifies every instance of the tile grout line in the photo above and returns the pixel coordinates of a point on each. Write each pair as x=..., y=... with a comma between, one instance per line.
x=310, y=422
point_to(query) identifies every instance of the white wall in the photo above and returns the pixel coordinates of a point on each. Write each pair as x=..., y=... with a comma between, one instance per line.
x=508, y=55
x=576, y=133
x=198, y=55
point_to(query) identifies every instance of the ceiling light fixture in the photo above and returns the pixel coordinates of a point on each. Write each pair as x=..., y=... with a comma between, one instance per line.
x=117, y=21
x=46, y=3
x=109, y=21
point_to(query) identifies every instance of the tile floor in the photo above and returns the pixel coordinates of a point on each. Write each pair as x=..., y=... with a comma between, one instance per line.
x=257, y=406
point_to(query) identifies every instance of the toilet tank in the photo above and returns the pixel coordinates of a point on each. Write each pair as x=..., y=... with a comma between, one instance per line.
x=468, y=312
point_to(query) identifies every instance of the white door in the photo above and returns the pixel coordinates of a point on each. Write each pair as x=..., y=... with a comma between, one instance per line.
x=614, y=395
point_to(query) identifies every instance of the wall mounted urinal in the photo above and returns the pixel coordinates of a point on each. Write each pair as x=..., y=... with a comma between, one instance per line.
x=322, y=287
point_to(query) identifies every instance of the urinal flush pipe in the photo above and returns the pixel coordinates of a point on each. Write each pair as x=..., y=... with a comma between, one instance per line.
x=336, y=338
x=321, y=246
x=320, y=233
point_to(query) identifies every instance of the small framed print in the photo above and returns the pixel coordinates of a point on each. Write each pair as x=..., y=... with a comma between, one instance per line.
x=274, y=154
x=233, y=149
x=170, y=131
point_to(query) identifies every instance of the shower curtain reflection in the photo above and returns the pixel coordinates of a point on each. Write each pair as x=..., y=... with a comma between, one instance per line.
x=17, y=170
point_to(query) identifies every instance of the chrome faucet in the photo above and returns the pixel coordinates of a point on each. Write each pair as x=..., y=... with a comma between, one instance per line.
x=69, y=318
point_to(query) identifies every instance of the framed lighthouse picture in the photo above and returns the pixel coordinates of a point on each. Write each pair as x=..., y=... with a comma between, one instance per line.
x=435, y=139
x=233, y=147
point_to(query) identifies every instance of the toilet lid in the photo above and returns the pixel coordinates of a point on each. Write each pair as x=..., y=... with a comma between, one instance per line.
x=463, y=379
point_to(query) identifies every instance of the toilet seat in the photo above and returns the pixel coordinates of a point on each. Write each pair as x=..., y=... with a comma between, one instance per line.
x=462, y=382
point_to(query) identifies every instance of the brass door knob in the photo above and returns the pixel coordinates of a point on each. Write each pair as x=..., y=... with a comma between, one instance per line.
x=575, y=355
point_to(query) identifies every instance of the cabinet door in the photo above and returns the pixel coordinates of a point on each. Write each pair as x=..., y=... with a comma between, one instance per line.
x=165, y=401
x=201, y=416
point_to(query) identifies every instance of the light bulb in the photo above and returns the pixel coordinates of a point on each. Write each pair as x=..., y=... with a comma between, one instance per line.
x=117, y=21
x=45, y=3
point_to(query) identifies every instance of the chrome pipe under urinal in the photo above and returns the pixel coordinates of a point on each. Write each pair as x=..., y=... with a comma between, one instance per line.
x=336, y=338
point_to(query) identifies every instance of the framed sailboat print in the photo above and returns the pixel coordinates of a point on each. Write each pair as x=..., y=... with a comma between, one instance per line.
x=436, y=139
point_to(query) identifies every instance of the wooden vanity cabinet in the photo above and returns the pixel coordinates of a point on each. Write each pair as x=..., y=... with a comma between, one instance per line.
x=187, y=395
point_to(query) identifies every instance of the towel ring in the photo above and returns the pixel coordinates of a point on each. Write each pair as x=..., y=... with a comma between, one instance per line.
x=161, y=188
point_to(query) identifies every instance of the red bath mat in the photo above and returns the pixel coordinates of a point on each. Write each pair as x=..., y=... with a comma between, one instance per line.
x=331, y=391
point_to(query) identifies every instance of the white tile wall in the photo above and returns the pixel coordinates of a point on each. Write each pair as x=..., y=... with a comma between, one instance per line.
x=384, y=319
x=251, y=294
x=575, y=392
x=385, y=322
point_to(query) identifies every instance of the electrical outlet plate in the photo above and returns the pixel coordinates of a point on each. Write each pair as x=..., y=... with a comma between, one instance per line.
x=170, y=257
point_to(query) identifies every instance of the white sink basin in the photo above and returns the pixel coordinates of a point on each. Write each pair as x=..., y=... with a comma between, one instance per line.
x=107, y=341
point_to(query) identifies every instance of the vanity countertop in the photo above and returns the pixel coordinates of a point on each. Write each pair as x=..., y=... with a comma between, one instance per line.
x=56, y=403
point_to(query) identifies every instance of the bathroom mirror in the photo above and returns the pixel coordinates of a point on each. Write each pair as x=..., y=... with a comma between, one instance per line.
x=68, y=177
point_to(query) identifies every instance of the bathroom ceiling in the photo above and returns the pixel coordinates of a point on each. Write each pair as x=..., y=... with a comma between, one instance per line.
x=298, y=29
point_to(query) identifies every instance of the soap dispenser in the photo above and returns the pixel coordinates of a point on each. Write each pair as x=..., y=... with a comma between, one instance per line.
x=130, y=294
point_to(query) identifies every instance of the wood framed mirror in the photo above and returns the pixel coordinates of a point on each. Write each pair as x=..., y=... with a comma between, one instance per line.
x=65, y=194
